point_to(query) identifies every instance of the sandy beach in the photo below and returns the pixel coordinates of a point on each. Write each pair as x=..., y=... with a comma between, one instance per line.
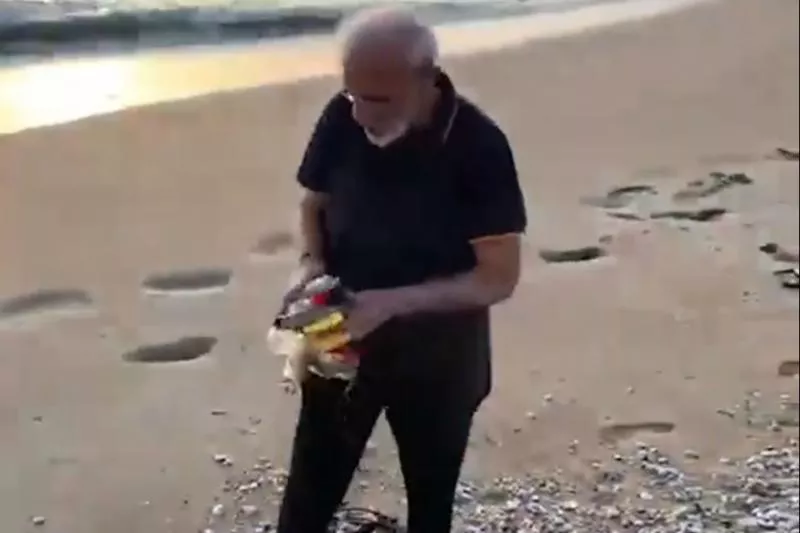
x=52, y=92
x=676, y=336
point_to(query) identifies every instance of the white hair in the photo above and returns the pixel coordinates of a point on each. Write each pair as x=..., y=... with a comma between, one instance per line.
x=395, y=25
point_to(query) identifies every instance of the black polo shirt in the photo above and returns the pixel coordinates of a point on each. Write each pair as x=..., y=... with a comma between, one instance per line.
x=406, y=213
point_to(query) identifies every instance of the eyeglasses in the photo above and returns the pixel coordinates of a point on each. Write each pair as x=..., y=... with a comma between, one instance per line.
x=367, y=99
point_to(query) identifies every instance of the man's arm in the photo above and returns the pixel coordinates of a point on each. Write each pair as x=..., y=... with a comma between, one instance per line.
x=311, y=262
x=495, y=217
x=493, y=280
x=313, y=176
x=311, y=237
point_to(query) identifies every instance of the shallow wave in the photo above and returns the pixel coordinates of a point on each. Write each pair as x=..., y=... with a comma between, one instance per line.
x=154, y=27
x=42, y=29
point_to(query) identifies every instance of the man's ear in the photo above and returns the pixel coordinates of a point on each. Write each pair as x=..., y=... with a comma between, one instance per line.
x=429, y=70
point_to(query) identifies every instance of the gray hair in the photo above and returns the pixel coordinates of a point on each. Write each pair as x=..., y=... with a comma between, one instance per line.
x=396, y=25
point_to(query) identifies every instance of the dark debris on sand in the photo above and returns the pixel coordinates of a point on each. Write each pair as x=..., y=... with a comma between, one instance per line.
x=715, y=183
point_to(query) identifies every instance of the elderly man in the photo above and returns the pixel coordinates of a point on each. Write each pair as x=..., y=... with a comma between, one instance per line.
x=411, y=198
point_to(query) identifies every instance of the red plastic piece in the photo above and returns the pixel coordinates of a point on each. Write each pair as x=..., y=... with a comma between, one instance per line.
x=320, y=298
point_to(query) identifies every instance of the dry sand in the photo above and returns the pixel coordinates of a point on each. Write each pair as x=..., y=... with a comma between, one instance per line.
x=679, y=320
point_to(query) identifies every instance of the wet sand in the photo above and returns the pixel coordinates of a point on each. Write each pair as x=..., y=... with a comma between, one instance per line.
x=678, y=319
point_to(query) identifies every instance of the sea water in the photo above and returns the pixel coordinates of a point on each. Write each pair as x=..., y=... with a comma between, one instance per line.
x=48, y=27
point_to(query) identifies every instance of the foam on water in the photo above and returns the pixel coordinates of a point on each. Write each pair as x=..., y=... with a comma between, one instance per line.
x=53, y=92
x=34, y=27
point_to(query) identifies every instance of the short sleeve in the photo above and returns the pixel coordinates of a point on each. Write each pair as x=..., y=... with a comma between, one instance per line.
x=322, y=146
x=493, y=200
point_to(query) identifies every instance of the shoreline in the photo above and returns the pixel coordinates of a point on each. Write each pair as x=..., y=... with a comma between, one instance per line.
x=203, y=22
x=39, y=95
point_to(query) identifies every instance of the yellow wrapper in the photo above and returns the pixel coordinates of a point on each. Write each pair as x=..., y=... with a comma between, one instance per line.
x=327, y=342
x=328, y=323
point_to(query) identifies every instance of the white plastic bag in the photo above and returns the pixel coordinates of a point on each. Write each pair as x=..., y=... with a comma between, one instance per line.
x=301, y=359
x=292, y=346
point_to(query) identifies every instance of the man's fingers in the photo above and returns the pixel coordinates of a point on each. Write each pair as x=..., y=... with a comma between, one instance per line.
x=361, y=323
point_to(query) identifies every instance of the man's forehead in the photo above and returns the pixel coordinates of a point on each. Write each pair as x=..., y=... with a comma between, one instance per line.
x=382, y=54
x=377, y=71
x=384, y=77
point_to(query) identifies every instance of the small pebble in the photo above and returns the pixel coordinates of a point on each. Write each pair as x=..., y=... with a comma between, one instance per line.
x=218, y=510
x=573, y=447
x=248, y=511
x=222, y=459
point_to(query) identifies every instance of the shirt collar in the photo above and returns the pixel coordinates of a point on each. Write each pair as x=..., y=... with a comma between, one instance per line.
x=446, y=109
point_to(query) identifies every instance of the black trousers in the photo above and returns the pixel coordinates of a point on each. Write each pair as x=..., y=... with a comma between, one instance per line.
x=430, y=417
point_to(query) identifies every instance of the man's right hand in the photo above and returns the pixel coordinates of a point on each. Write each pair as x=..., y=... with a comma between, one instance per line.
x=308, y=269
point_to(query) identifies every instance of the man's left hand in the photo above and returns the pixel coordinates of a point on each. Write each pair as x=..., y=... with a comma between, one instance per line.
x=371, y=309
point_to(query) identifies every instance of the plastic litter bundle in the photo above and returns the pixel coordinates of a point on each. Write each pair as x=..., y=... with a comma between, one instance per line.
x=310, y=332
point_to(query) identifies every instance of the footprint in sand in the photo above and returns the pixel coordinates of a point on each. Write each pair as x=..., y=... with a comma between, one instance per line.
x=789, y=278
x=572, y=255
x=182, y=349
x=708, y=214
x=619, y=197
x=624, y=215
x=45, y=302
x=788, y=369
x=715, y=183
x=779, y=253
x=785, y=154
x=612, y=433
x=193, y=282
x=270, y=245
